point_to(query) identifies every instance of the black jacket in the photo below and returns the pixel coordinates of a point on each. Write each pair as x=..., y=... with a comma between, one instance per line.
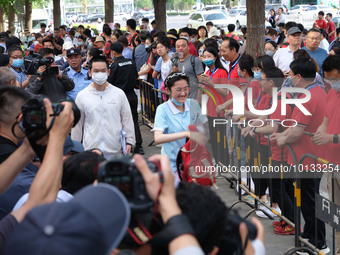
x=50, y=86
x=123, y=74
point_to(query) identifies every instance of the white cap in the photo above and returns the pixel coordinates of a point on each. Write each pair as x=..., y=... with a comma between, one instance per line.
x=67, y=45
x=214, y=32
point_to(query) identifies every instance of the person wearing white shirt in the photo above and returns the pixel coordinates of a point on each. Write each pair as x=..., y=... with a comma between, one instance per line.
x=324, y=44
x=284, y=56
x=105, y=114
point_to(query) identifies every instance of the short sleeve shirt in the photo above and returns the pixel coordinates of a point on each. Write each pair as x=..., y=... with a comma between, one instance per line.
x=80, y=82
x=186, y=67
x=218, y=76
x=170, y=120
x=264, y=103
x=330, y=29
x=321, y=23
x=332, y=151
x=316, y=106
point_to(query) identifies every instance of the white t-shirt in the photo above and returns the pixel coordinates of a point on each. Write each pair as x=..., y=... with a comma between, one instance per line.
x=165, y=69
x=324, y=44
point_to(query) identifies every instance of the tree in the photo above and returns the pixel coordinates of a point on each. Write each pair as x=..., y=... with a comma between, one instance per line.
x=255, y=27
x=109, y=9
x=2, y=19
x=11, y=17
x=84, y=6
x=28, y=15
x=160, y=14
x=56, y=13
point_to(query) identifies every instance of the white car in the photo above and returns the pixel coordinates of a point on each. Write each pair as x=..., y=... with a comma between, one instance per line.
x=308, y=17
x=297, y=9
x=240, y=20
x=236, y=10
x=218, y=18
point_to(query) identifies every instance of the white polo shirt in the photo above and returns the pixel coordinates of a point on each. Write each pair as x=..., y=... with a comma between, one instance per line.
x=282, y=58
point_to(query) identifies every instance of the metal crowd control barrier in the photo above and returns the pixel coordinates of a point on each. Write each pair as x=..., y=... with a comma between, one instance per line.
x=253, y=157
x=150, y=98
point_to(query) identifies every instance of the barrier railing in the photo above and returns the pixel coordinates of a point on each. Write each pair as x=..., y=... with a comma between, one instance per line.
x=253, y=158
x=150, y=98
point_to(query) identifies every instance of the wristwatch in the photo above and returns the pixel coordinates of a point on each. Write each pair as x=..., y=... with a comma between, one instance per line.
x=335, y=138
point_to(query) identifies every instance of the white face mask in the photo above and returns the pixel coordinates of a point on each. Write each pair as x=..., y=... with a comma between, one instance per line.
x=99, y=78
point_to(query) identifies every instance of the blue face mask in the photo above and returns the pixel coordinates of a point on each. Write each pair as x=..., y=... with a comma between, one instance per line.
x=239, y=74
x=80, y=43
x=176, y=102
x=89, y=46
x=257, y=75
x=208, y=62
x=17, y=63
x=33, y=38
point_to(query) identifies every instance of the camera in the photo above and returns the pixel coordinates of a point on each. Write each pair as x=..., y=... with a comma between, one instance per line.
x=231, y=242
x=34, y=114
x=32, y=63
x=175, y=58
x=120, y=171
x=152, y=47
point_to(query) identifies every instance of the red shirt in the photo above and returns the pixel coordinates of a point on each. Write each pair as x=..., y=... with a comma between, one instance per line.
x=232, y=35
x=264, y=102
x=316, y=106
x=330, y=28
x=107, y=49
x=321, y=23
x=332, y=151
x=278, y=117
x=37, y=47
x=256, y=88
x=192, y=49
x=220, y=76
x=131, y=38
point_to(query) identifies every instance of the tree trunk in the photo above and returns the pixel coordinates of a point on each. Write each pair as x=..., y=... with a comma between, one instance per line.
x=28, y=15
x=84, y=6
x=2, y=19
x=56, y=13
x=11, y=18
x=109, y=11
x=160, y=14
x=255, y=27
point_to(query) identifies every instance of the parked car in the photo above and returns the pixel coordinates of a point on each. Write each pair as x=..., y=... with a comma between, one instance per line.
x=336, y=21
x=94, y=17
x=123, y=16
x=297, y=9
x=219, y=18
x=241, y=20
x=236, y=10
x=82, y=17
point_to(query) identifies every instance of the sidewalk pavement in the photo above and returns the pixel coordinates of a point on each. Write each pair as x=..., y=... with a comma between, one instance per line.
x=275, y=244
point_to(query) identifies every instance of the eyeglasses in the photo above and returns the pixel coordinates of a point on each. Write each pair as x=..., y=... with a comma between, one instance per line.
x=314, y=38
x=16, y=57
x=185, y=90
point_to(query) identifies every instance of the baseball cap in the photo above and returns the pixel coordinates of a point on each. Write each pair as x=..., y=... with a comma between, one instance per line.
x=71, y=145
x=293, y=30
x=73, y=51
x=94, y=221
x=67, y=46
x=99, y=39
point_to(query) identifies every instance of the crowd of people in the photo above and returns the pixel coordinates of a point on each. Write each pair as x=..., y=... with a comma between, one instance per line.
x=101, y=73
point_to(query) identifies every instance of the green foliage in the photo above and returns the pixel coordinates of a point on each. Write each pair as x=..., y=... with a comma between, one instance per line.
x=141, y=4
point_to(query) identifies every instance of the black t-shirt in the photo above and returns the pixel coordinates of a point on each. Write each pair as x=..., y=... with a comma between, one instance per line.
x=7, y=226
x=60, y=42
x=7, y=147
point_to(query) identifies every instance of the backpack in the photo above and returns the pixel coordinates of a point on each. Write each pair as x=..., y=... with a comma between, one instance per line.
x=194, y=163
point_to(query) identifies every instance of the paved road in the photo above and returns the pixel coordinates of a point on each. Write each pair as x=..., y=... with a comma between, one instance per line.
x=275, y=244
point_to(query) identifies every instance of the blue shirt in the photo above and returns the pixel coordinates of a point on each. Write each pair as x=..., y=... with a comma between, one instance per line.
x=170, y=120
x=127, y=53
x=319, y=55
x=20, y=76
x=80, y=82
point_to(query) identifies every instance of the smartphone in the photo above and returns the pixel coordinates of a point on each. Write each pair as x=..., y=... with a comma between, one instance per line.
x=308, y=133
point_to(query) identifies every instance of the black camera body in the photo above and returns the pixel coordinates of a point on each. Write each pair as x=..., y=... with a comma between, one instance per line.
x=34, y=114
x=33, y=62
x=152, y=47
x=175, y=59
x=120, y=171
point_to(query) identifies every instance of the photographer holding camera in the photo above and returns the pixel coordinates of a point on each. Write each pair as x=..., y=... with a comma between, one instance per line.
x=49, y=81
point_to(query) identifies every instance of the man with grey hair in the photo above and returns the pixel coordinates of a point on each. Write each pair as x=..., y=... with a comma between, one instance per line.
x=7, y=77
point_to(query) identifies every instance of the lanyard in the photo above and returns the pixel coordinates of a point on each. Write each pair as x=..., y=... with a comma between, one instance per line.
x=311, y=86
x=245, y=92
x=259, y=99
x=233, y=67
x=213, y=72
